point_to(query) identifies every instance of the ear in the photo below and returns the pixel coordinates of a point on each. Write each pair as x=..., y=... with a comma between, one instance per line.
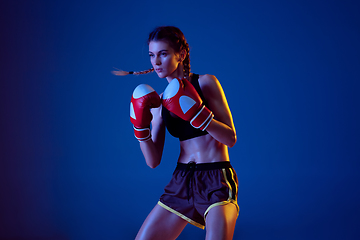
x=182, y=55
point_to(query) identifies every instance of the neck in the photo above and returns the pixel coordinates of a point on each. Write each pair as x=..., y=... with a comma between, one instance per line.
x=178, y=73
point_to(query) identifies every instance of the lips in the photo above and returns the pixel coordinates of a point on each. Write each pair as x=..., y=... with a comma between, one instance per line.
x=158, y=69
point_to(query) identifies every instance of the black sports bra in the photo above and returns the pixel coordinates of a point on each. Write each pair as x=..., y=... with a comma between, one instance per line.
x=178, y=127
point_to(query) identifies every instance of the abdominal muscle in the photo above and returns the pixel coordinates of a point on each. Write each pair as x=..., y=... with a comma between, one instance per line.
x=202, y=149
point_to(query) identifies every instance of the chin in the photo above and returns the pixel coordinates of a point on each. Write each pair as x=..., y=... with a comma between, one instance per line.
x=161, y=75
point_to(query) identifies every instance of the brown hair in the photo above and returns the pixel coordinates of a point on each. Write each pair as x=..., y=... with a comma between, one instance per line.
x=176, y=40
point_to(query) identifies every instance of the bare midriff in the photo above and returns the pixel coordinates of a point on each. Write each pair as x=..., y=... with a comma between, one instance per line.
x=202, y=149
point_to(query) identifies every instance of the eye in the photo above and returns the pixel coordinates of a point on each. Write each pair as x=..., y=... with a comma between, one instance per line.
x=164, y=54
x=151, y=55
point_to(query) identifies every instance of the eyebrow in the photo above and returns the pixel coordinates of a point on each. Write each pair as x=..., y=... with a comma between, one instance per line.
x=160, y=51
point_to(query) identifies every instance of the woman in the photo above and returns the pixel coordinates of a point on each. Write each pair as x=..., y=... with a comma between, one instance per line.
x=203, y=190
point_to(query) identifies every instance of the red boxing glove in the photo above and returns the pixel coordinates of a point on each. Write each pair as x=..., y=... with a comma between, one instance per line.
x=181, y=98
x=144, y=97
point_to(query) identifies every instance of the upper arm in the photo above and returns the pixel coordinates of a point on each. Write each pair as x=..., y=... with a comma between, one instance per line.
x=215, y=96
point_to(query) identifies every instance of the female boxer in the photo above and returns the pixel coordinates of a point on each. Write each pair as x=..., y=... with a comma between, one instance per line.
x=203, y=189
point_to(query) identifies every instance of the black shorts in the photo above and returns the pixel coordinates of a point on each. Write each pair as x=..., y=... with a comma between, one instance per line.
x=196, y=188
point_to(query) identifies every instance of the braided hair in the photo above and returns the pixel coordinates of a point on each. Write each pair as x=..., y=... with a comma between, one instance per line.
x=175, y=39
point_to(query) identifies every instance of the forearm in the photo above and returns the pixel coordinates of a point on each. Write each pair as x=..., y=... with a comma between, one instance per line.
x=222, y=133
x=143, y=101
x=151, y=153
x=153, y=148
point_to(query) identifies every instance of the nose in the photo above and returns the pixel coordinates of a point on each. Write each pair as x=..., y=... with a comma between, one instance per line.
x=157, y=61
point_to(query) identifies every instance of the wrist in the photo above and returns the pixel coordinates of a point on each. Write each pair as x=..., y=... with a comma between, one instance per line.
x=202, y=119
x=142, y=134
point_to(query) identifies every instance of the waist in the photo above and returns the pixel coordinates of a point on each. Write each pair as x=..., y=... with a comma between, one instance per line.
x=203, y=166
x=203, y=149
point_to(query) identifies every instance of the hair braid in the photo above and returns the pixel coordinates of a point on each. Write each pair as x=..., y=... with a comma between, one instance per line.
x=124, y=73
x=176, y=40
x=186, y=61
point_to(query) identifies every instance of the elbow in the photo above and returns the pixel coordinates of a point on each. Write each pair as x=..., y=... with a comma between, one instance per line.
x=232, y=140
x=153, y=165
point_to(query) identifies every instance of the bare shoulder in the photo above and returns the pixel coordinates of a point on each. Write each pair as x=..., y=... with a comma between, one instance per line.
x=209, y=84
x=207, y=79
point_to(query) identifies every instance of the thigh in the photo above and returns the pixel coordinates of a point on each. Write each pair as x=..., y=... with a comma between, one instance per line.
x=220, y=222
x=161, y=224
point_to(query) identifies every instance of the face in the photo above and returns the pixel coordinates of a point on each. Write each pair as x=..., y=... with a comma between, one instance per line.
x=164, y=60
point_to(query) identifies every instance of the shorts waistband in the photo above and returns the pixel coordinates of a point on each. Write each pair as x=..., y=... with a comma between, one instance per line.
x=202, y=166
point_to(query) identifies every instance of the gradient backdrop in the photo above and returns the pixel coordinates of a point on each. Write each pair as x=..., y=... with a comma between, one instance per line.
x=70, y=168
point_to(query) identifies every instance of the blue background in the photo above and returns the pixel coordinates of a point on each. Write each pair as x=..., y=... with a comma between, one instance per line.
x=70, y=168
